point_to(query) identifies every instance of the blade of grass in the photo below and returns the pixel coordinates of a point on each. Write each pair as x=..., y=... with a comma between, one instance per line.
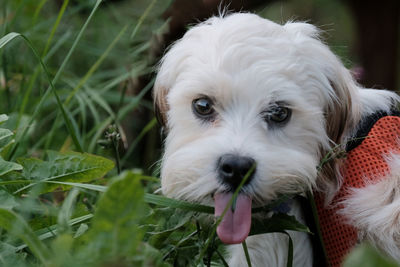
x=15, y=182
x=83, y=115
x=222, y=258
x=95, y=96
x=246, y=253
x=66, y=210
x=93, y=187
x=55, y=79
x=290, y=251
x=44, y=53
x=144, y=131
x=172, y=203
x=314, y=211
x=52, y=230
x=142, y=18
x=98, y=131
x=60, y=41
x=128, y=108
x=8, y=38
x=90, y=105
x=32, y=81
x=37, y=11
x=116, y=80
x=148, y=198
x=96, y=65
x=67, y=120
x=83, y=81
x=55, y=26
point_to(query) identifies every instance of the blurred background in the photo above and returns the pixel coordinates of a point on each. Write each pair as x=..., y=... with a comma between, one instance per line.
x=106, y=85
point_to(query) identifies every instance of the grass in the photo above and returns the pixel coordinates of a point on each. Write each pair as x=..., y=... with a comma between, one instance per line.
x=72, y=193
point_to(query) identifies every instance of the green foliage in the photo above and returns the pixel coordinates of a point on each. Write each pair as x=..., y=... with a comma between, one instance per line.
x=5, y=140
x=67, y=76
x=366, y=256
x=115, y=231
x=63, y=167
x=18, y=227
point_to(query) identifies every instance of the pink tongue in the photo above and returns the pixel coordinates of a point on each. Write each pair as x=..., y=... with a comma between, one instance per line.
x=235, y=226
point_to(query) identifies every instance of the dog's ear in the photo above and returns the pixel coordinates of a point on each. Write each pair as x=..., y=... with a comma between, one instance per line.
x=160, y=104
x=341, y=115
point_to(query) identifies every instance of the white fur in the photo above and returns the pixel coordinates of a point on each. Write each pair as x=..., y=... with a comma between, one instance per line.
x=375, y=210
x=246, y=63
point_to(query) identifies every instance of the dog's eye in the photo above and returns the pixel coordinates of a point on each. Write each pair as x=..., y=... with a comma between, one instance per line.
x=203, y=107
x=277, y=114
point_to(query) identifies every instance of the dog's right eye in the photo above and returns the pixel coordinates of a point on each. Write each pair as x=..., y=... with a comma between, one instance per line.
x=203, y=108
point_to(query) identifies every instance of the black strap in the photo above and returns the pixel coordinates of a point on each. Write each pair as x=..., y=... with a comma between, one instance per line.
x=365, y=127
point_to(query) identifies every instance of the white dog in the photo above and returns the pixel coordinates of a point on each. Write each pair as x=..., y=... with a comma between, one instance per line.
x=238, y=91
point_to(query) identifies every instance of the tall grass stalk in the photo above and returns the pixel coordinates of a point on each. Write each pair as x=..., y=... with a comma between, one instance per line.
x=55, y=26
x=96, y=65
x=246, y=253
x=11, y=36
x=55, y=79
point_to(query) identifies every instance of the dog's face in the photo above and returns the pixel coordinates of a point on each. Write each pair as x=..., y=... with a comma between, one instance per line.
x=241, y=91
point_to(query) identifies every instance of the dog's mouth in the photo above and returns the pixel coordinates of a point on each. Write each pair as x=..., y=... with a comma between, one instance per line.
x=236, y=223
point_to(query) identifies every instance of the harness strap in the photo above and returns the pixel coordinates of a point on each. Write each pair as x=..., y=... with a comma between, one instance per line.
x=365, y=162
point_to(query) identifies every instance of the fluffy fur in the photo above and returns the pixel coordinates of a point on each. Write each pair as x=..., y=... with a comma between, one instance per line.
x=375, y=210
x=246, y=64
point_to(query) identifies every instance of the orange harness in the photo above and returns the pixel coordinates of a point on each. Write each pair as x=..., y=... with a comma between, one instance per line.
x=366, y=162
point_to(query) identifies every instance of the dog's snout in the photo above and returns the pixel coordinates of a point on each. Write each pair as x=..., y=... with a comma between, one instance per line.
x=233, y=168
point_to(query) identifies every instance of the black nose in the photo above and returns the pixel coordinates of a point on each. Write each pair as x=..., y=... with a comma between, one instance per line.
x=233, y=168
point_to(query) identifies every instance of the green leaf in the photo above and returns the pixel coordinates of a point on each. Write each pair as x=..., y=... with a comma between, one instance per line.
x=9, y=257
x=3, y=118
x=83, y=227
x=64, y=167
x=6, y=167
x=367, y=256
x=17, y=226
x=66, y=210
x=4, y=134
x=7, y=201
x=115, y=231
x=8, y=38
x=4, y=148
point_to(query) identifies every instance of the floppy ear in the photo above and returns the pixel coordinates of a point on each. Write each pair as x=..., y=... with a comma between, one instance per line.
x=342, y=115
x=339, y=114
x=160, y=104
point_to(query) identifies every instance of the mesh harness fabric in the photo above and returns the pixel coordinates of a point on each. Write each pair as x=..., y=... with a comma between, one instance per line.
x=365, y=163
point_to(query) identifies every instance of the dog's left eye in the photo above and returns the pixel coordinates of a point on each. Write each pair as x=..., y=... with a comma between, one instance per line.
x=277, y=114
x=203, y=107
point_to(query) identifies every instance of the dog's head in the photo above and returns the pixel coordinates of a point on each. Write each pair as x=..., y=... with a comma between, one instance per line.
x=240, y=91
